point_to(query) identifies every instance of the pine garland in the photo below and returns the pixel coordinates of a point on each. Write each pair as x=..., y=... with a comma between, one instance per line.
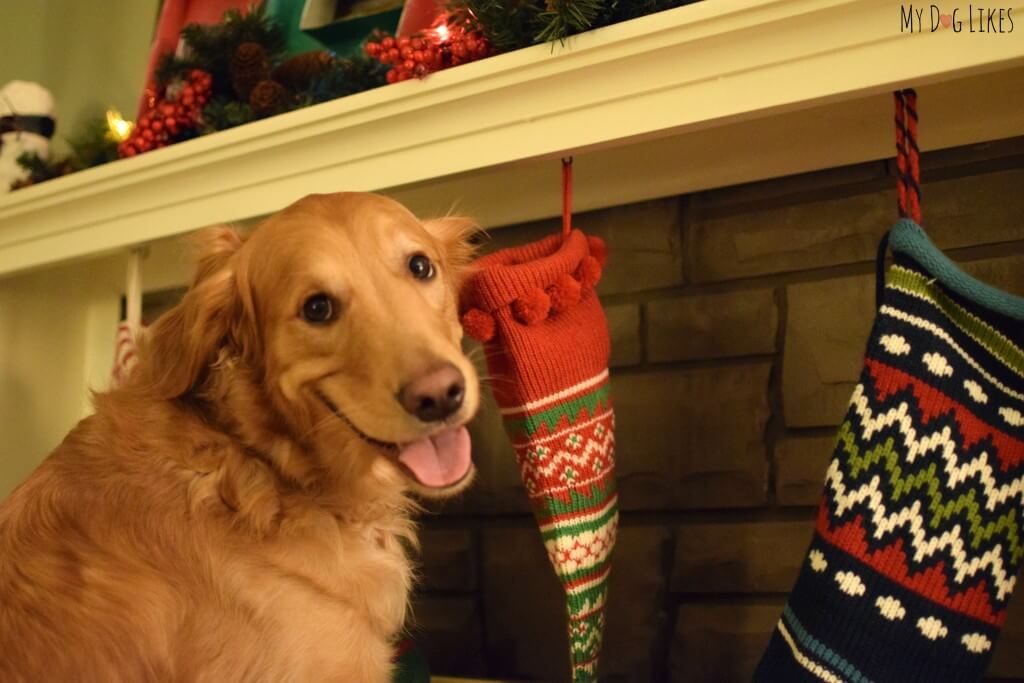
x=222, y=113
x=211, y=47
x=317, y=77
x=41, y=170
x=90, y=145
x=563, y=18
x=521, y=23
x=507, y=24
x=346, y=77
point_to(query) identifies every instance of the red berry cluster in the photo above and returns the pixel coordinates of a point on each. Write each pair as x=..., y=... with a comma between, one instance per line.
x=168, y=118
x=427, y=51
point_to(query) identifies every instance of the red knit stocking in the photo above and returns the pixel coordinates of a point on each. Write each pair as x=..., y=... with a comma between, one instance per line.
x=546, y=337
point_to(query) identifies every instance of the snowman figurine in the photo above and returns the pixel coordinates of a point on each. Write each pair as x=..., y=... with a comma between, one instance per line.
x=26, y=125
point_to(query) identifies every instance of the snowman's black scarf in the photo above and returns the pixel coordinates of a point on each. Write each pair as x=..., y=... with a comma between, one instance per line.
x=40, y=125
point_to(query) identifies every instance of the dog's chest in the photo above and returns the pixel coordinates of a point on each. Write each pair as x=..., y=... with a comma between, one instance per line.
x=337, y=578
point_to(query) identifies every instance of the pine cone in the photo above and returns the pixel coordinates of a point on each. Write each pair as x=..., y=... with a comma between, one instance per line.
x=269, y=98
x=249, y=65
x=299, y=72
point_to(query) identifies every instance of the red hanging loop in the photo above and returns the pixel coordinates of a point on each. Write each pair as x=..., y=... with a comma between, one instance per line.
x=908, y=156
x=566, y=196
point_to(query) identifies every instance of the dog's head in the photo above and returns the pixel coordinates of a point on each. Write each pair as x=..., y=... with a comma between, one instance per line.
x=341, y=311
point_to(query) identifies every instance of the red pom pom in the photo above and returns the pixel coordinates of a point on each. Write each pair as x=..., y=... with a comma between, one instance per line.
x=532, y=307
x=478, y=324
x=589, y=271
x=564, y=293
x=598, y=249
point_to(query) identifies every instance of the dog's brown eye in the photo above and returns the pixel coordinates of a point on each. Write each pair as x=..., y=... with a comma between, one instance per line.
x=421, y=267
x=318, y=309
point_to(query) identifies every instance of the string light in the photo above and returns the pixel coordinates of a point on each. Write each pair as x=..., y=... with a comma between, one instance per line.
x=120, y=128
x=442, y=32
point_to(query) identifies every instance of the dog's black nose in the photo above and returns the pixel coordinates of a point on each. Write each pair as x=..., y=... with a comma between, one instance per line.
x=434, y=395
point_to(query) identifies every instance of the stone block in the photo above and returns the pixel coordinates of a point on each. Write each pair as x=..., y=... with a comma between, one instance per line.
x=828, y=183
x=959, y=212
x=448, y=633
x=800, y=464
x=721, y=643
x=1005, y=273
x=624, y=328
x=1008, y=656
x=975, y=209
x=644, y=245
x=712, y=326
x=744, y=557
x=826, y=333
x=525, y=607
x=643, y=241
x=638, y=625
x=447, y=560
x=692, y=438
x=791, y=237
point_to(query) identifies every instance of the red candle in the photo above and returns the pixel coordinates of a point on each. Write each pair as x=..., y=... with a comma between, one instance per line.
x=418, y=15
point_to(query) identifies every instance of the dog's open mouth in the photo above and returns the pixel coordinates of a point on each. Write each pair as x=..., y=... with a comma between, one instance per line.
x=437, y=461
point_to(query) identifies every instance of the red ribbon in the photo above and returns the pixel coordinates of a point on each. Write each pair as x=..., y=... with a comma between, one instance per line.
x=566, y=196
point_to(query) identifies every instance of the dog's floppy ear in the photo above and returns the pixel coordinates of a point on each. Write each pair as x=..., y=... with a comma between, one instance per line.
x=179, y=348
x=213, y=247
x=455, y=234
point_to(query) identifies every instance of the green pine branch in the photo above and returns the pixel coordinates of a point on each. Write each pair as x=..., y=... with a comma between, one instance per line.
x=513, y=24
x=211, y=47
x=508, y=25
x=346, y=77
x=563, y=18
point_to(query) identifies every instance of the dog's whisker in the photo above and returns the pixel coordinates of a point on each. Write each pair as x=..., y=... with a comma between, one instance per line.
x=320, y=424
x=491, y=381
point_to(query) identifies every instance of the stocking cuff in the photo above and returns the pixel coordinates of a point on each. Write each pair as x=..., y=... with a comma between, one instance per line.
x=908, y=238
x=514, y=275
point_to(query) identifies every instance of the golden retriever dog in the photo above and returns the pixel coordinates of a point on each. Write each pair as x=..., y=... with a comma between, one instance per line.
x=240, y=510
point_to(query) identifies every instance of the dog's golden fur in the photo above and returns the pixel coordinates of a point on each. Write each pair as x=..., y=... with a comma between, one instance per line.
x=214, y=519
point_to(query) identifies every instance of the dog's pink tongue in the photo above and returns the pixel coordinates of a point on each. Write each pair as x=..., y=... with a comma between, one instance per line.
x=441, y=460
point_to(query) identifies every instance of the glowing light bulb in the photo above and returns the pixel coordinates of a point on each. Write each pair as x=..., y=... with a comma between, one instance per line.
x=120, y=128
x=442, y=32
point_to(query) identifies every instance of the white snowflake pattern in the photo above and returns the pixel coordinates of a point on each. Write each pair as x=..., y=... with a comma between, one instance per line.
x=538, y=453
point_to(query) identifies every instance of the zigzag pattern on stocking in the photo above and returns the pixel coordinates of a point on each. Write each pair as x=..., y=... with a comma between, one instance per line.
x=905, y=458
x=916, y=494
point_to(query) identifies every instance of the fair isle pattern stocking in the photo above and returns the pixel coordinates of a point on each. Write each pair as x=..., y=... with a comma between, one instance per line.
x=918, y=542
x=547, y=346
x=564, y=445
